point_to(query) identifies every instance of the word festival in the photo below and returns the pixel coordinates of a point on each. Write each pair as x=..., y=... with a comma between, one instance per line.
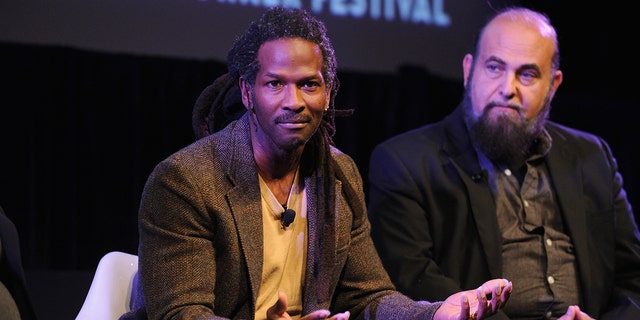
x=427, y=12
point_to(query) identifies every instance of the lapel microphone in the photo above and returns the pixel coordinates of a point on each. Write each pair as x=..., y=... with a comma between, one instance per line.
x=480, y=176
x=287, y=216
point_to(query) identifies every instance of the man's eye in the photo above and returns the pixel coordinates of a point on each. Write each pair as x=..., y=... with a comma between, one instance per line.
x=494, y=70
x=273, y=84
x=528, y=77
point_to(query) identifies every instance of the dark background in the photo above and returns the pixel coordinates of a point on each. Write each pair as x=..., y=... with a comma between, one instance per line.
x=82, y=129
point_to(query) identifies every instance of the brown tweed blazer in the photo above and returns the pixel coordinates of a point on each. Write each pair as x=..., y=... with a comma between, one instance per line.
x=201, y=242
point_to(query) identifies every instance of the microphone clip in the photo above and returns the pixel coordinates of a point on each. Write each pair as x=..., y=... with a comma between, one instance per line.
x=479, y=177
x=287, y=217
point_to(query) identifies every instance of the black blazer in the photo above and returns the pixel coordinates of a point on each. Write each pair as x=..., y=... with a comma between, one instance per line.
x=434, y=222
x=12, y=262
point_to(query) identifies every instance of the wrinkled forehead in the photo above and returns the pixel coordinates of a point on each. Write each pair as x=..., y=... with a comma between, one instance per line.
x=517, y=40
x=519, y=22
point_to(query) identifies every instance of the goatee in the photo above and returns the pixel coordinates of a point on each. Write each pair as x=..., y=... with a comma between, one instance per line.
x=504, y=140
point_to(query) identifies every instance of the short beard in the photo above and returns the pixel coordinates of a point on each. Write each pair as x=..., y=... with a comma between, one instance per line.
x=504, y=141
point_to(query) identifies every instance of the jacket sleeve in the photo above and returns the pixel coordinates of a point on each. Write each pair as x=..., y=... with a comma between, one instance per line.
x=624, y=302
x=404, y=203
x=401, y=227
x=364, y=287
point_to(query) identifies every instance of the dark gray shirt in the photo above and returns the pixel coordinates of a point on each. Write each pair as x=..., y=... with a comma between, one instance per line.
x=537, y=254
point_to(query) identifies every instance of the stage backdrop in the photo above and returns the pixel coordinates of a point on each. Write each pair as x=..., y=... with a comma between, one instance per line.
x=369, y=35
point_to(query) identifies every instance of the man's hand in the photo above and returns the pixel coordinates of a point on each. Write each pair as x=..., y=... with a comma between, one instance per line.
x=473, y=304
x=279, y=312
x=574, y=313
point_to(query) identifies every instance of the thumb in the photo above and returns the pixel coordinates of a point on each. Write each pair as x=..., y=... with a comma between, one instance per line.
x=569, y=315
x=279, y=308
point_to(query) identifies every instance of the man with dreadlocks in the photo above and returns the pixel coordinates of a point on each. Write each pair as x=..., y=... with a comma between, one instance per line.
x=265, y=218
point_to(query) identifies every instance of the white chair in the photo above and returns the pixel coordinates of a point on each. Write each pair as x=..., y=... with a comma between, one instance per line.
x=110, y=292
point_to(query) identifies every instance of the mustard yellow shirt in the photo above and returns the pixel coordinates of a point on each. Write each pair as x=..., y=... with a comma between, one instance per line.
x=285, y=251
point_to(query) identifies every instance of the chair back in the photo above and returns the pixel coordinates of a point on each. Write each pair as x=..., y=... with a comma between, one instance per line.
x=110, y=292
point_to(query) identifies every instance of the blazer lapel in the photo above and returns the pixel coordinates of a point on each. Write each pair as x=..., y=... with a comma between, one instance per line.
x=465, y=161
x=321, y=249
x=483, y=210
x=561, y=162
x=245, y=202
x=248, y=221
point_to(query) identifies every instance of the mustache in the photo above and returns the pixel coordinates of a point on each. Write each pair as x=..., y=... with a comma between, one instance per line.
x=513, y=106
x=293, y=118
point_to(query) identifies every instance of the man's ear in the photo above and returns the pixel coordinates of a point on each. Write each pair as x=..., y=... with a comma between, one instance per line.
x=328, y=98
x=245, y=92
x=557, y=80
x=467, y=64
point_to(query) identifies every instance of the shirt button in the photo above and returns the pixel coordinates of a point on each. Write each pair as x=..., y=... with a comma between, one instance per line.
x=549, y=242
x=551, y=280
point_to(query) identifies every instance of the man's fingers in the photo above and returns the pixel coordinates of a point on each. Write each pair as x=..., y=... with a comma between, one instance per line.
x=507, y=291
x=482, y=304
x=465, y=307
x=279, y=308
x=492, y=296
x=496, y=298
x=341, y=316
x=316, y=315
